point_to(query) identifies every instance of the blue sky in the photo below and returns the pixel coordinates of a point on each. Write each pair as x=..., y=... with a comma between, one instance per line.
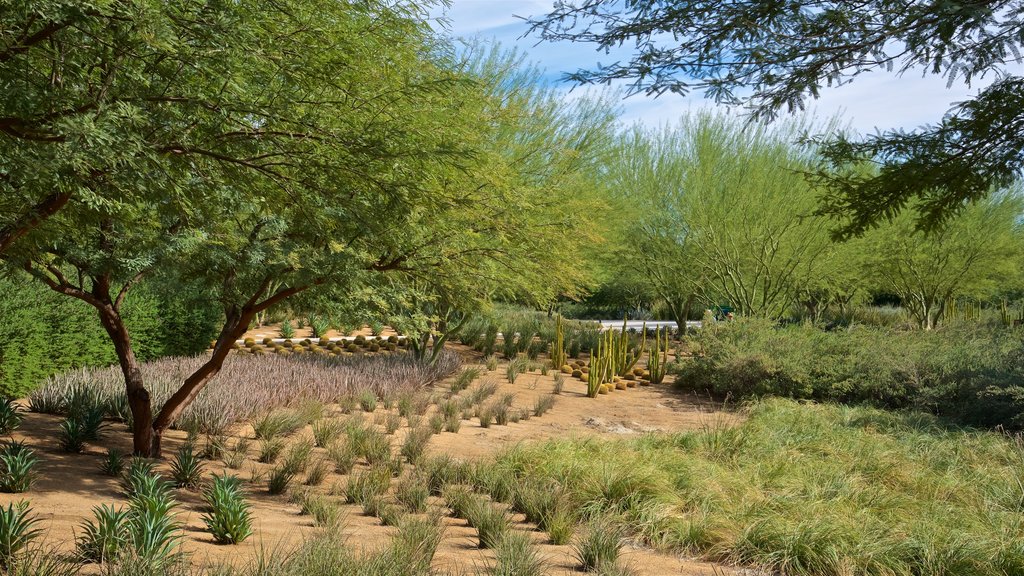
x=875, y=100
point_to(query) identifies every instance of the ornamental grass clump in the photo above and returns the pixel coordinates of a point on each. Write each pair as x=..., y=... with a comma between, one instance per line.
x=104, y=537
x=113, y=463
x=10, y=415
x=412, y=492
x=599, y=548
x=516, y=555
x=17, y=531
x=491, y=521
x=325, y=431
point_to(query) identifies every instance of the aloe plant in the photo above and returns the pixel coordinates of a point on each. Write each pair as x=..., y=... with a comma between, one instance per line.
x=228, y=517
x=17, y=467
x=10, y=415
x=187, y=467
x=105, y=537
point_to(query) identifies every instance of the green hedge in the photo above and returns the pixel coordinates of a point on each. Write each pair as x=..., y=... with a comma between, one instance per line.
x=44, y=333
x=971, y=375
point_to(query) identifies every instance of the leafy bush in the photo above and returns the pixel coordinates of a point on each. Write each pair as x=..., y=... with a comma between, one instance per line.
x=969, y=374
x=227, y=517
x=17, y=531
x=17, y=467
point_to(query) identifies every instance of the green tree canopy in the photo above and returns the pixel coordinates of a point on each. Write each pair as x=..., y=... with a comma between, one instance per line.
x=772, y=56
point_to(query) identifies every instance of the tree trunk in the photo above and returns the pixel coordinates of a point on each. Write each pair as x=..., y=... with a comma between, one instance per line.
x=138, y=397
x=35, y=216
x=194, y=384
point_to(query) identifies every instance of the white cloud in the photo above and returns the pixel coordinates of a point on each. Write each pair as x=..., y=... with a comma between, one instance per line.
x=874, y=100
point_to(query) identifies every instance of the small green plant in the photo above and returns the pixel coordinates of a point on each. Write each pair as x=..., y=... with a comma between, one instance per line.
x=412, y=493
x=415, y=543
x=560, y=524
x=71, y=436
x=543, y=404
x=415, y=443
x=317, y=473
x=516, y=555
x=486, y=416
x=227, y=517
x=491, y=362
x=187, y=467
x=270, y=449
x=105, y=536
x=465, y=378
x=459, y=499
x=392, y=422
x=135, y=475
x=325, y=431
x=375, y=447
x=235, y=458
x=324, y=512
x=113, y=463
x=492, y=523
x=343, y=456
x=10, y=415
x=279, y=478
x=296, y=459
x=367, y=400
x=287, y=330
x=452, y=424
x=516, y=366
x=599, y=548
x=154, y=531
x=278, y=423
x=657, y=362
x=17, y=467
x=319, y=325
x=368, y=484
x=17, y=531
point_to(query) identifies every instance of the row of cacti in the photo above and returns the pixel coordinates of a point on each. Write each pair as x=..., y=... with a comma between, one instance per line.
x=614, y=356
x=1011, y=317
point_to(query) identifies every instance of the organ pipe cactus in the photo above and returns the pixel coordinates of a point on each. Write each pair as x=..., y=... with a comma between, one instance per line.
x=658, y=360
x=558, y=357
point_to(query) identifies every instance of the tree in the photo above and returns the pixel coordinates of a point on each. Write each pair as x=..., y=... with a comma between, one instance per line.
x=772, y=55
x=281, y=149
x=726, y=215
x=972, y=257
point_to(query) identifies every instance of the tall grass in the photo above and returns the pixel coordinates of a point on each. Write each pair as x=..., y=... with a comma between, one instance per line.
x=805, y=489
x=247, y=387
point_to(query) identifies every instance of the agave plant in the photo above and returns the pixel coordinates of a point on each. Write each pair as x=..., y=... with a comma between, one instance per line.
x=155, y=534
x=106, y=536
x=187, y=467
x=17, y=467
x=228, y=517
x=10, y=416
x=113, y=464
x=17, y=531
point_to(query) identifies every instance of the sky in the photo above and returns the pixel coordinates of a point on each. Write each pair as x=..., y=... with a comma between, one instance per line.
x=874, y=101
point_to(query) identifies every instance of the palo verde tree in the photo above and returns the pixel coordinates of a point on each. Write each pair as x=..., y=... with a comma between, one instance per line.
x=770, y=56
x=525, y=203
x=300, y=171
x=972, y=256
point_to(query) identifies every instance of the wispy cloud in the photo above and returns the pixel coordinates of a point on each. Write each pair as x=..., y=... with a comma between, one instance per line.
x=873, y=101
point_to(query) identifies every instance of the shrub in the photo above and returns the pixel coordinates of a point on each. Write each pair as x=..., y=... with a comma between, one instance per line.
x=113, y=463
x=296, y=459
x=105, y=536
x=375, y=447
x=414, y=546
x=491, y=362
x=317, y=473
x=392, y=422
x=270, y=449
x=17, y=531
x=227, y=516
x=186, y=468
x=517, y=366
x=235, y=458
x=154, y=531
x=452, y=424
x=10, y=416
x=17, y=467
x=138, y=470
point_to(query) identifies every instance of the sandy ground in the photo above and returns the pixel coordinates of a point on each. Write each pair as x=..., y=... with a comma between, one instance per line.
x=70, y=485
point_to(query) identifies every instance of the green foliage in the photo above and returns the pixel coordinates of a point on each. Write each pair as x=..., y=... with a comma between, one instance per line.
x=17, y=530
x=364, y=486
x=343, y=456
x=17, y=467
x=516, y=555
x=325, y=431
x=105, y=536
x=227, y=517
x=367, y=401
x=113, y=463
x=10, y=416
x=543, y=404
x=278, y=423
x=465, y=378
x=412, y=492
x=187, y=467
x=71, y=435
x=491, y=521
x=968, y=374
x=600, y=546
x=44, y=333
x=279, y=478
x=270, y=449
x=415, y=444
x=657, y=362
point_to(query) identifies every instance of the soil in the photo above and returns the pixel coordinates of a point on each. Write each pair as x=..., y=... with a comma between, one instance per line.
x=70, y=485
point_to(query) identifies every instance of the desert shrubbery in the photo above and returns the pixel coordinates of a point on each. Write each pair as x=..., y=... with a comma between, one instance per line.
x=972, y=375
x=245, y=388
